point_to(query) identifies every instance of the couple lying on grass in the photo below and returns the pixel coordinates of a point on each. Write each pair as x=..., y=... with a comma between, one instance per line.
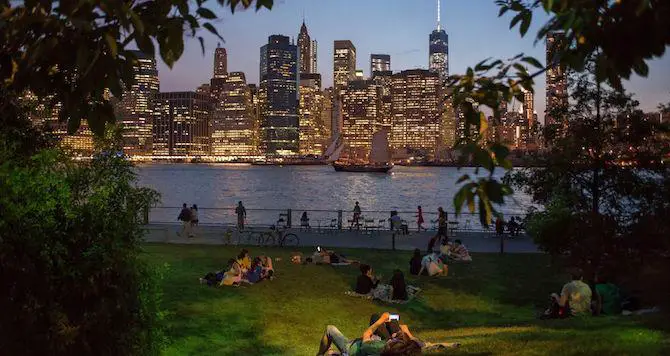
x=368, y=283
x=385, y=337
x=322, y=256
x=241, y=270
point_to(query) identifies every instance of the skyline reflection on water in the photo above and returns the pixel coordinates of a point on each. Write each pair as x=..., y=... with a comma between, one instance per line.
x=307, y=188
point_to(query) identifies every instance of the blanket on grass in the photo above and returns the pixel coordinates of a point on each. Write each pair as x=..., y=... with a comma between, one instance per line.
x=383, y=292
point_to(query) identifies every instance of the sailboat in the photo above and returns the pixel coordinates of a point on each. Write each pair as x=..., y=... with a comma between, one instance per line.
x=379, y=159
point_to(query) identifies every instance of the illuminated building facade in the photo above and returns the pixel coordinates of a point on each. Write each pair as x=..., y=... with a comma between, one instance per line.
x=220, y=62
x=438, y=52
x=307, y=49
x=557, y=81
x=181, y=125
x=312, y=129
x=379, y=63
x=360, y=116
x=136, y=109
x=416, y=114
x=344, y=63
x=278, y=93
x=327, y=112
x=232, y=125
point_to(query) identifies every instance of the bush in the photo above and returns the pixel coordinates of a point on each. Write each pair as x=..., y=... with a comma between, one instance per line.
x=70, y=238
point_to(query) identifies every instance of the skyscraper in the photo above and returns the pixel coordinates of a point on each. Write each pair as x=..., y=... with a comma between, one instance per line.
x=278, y=94
x=136, y=110
x=344, y=63
x=312, y=128
x=307, y=51
x=379, y=63
x=416, y=111
x=360, y=116
x=232, y=123
x=181, y=126
x=557, y=81
x=220, y=62
x=438, y=53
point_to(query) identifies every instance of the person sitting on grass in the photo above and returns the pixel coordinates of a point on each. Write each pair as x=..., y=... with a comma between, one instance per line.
x=254, y=274
x=575, y=299
x=400, y=343
x=434, y=264
x=366, y=282
x=244, y=260
x=267, y=269
x=415, y=262
x=215, y=278
x=607, y=297
x=458, y=252
x=398, y=285
x=234, y=277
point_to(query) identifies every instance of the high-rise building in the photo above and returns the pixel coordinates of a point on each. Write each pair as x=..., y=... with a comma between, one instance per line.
x=181, y=125
x=438, y=53
x=359, y=74
x=416, y=111
x=327, y=112
x=307, y=49
x=205, y=89
x=379, y=63
x=360, y=116
x=278, y=93
x=135, y=111
x=232, y=124
x=312, y=128
x=344, y=63
x=220, y=63
x=557, y=81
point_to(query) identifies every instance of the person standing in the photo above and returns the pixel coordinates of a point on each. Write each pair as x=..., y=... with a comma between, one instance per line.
x=241, y=215
x=357, y=215
x=185, y=217
x=419, y=219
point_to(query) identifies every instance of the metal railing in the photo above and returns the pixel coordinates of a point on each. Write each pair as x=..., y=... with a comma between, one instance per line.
x=323, y=219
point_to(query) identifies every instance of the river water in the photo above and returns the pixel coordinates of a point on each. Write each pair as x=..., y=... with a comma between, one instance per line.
x=216, y=189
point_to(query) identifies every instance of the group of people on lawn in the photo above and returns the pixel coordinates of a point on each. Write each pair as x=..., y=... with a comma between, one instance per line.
x=242, y=269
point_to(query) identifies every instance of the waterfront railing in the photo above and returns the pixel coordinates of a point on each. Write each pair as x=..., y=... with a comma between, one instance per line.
x=322, y=220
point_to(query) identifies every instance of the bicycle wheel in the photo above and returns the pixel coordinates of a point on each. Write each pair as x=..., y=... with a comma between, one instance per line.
x=290, y=240
x=264, y=239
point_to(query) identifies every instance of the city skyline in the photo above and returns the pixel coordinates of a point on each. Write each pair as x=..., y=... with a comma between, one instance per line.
x=400, y=30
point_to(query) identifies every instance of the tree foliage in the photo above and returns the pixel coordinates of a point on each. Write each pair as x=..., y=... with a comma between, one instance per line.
x=69, y=242
x=603, y=183
x=620, y=36
x=74, y=51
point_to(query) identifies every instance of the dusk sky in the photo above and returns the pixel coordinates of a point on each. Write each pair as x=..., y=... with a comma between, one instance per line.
x=396, y=27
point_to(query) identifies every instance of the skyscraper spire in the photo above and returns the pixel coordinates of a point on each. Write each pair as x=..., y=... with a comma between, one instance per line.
x=439, y=26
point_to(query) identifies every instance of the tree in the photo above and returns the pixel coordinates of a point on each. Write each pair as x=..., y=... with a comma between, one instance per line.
x=73, y=51
x=602, y=182
x=620, y=36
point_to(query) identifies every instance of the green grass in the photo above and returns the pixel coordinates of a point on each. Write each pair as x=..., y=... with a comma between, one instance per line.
x=489, y=306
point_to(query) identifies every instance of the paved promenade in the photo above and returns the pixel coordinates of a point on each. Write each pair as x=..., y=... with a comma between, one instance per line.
x=475, y=241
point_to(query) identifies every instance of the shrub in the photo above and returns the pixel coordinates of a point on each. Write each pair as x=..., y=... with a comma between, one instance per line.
x=70, y=237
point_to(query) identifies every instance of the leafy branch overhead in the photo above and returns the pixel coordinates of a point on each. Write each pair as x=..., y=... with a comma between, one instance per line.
x=620, y=36
x=74, y=52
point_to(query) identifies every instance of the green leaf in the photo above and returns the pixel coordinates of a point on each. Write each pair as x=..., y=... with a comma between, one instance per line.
x=211, y=29
x=525, y=24
x=532, y=61
x=202, y=44
x=137, y=22
x=515, y=20
x=206, y=13
x=463, y=178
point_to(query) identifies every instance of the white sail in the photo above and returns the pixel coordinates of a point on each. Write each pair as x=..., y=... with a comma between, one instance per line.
x=331, y=148
x=336, y=155
x=380, y=147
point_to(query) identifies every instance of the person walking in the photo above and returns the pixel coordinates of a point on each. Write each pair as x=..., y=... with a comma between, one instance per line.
x=194, y=218
x=442, y=221
x=419, y=219
x=185, y=217
x=241, y=215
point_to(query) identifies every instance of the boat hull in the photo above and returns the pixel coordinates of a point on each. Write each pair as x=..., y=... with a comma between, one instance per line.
x=362, y=168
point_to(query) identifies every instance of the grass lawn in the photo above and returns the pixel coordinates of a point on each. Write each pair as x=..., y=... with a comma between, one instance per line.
x=489, y=306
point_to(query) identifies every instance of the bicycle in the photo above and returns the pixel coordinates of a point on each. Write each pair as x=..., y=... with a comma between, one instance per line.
x=249, y=237
x=278, y=237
